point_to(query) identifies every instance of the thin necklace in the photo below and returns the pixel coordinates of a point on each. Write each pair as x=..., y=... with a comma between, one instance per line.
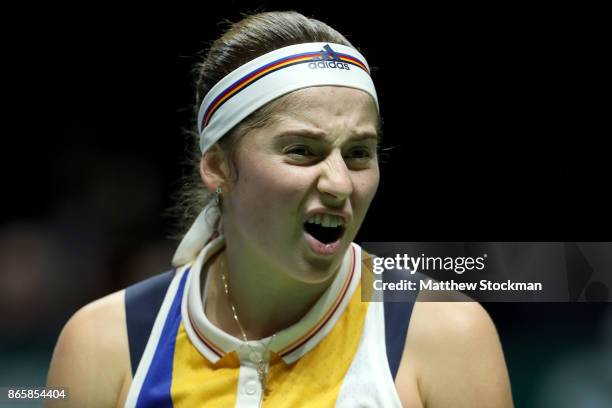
x=262, y=367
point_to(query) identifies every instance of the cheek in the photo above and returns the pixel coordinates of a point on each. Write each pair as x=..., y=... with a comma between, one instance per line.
x=267, y=191
x=365, y=185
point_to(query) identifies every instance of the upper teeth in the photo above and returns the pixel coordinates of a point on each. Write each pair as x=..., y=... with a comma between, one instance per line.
x=326, y=220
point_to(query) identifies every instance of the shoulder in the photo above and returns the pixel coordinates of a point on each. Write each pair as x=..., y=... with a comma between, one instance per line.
x=453, y=351
x=455, y=325
x=91, y=357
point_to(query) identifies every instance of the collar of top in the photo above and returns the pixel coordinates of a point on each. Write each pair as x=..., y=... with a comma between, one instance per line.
x=291, y=343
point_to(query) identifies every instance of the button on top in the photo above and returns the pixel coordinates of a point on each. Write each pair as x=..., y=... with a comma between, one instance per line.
x=250, y=387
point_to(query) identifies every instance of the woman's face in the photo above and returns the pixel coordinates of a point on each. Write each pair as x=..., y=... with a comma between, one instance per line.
x=305, y=182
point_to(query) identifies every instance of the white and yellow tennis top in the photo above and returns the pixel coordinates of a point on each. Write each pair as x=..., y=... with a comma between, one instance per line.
x=333, y=357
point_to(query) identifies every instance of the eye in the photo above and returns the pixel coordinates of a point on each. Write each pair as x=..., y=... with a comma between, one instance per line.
x=360, y=153
x=299, y=151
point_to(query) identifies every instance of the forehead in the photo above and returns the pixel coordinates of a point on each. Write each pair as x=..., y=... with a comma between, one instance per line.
x=327, y=108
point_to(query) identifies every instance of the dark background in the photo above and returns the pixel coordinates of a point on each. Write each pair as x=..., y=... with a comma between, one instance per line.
x=495, y=121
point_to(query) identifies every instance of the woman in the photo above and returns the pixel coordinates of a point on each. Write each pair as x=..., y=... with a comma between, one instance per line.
x=264, y=305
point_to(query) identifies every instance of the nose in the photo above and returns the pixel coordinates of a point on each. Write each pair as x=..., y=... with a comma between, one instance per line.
x=335, y=182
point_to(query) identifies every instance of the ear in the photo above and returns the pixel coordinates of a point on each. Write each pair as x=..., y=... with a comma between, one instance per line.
x=214, y=168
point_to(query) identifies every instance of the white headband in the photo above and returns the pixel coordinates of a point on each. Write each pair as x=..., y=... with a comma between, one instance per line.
x=256, y=83
x=274, y=74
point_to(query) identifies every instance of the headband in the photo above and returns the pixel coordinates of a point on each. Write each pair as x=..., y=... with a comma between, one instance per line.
x=275, y=74
x=256, y=83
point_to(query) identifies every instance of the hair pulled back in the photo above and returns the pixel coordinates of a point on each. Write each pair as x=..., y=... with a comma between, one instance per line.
x=243, y=41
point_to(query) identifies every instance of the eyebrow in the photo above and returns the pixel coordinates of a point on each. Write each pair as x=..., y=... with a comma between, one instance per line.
x=310, y=134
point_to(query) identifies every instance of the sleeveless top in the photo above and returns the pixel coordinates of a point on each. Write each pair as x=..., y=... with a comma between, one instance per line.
x=343, y=353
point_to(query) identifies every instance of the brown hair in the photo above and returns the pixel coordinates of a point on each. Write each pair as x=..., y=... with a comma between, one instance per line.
x=249, y=38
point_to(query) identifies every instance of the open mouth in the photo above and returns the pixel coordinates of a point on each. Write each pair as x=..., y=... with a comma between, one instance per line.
x=326, y=229
x=325, y=235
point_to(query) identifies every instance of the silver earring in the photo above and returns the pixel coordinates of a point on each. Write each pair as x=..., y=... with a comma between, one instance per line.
x=217, y=197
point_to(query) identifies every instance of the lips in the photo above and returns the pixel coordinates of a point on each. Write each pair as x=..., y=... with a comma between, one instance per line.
x=320, y=248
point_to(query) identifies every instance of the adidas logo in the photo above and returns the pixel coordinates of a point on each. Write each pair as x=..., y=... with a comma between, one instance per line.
x=328, y=59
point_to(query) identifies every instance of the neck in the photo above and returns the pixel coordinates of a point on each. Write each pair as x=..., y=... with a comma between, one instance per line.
x=266, y=300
